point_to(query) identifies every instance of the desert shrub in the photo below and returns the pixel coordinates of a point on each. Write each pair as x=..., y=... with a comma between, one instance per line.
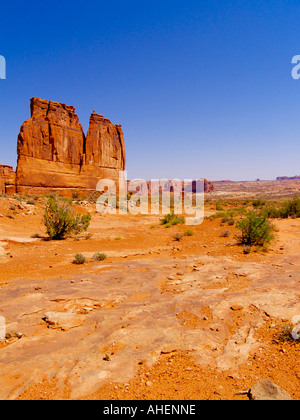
x=61, y=221
x=171, y=220
x=99, y=256
x=270, y=211
x=79, y=259
x=259, y=202
x=255, y=230
x=12, y=207
x=31, y=201
x=286, y=334
x=228, y=214
x=230, y=222
x=246, y=249
x=188, y=232
x=178, y=236
x=225, y=219
x=290, y=208
x=219, y=207
x=225, y=234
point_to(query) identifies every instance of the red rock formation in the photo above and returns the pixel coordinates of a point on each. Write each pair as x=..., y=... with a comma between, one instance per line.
x=54, y=155
x=7, y=180
x=104, y=150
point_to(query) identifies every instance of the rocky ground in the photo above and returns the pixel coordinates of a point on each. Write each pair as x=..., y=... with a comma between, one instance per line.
x=158, y=319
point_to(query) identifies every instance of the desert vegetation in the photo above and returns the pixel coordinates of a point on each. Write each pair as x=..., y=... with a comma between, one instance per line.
x=172, y=219
x=61, y=221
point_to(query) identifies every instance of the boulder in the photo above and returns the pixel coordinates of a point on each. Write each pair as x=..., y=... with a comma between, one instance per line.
x=267, y=390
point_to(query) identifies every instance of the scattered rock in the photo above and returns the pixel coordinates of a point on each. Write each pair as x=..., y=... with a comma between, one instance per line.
x=63, y=320
x=267, y=390
x=149, y=383
x=236, y=308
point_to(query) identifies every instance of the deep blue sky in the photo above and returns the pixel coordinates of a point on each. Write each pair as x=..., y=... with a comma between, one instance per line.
x=201, y=88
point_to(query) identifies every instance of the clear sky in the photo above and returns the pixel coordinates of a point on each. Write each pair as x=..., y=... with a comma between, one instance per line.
x=201, y=88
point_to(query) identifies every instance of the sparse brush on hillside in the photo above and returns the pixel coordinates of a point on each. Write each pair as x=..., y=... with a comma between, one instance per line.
x=289, y=208
x=61, y=221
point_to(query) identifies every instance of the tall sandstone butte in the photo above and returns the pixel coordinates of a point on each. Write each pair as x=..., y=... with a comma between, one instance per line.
x=55, y=155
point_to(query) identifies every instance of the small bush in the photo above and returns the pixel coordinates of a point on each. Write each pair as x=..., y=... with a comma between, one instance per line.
x=31, y=201
x=290, y=208
x=225, y=234
x=178, y=236
x=79, y=259
x=256, y=230
x=99, y=256
x=225, y=219
x=61, y=221
x=258, y=202
x=188, y=232
x=219, y=207
x=247, y=249
x=171, y=220
x=286, y=334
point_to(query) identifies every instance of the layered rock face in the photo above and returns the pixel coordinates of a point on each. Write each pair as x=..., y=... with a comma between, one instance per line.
x=7, y=180
x=55, y=155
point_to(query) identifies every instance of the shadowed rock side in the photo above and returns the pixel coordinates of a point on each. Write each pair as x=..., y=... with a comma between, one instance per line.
x=54, y=154
x=7, y=180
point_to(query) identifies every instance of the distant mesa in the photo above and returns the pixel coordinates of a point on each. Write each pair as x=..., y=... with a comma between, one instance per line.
x=54, y=154
x=287, y=178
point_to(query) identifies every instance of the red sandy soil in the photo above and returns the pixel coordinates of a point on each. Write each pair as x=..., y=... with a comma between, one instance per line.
x=176, y=375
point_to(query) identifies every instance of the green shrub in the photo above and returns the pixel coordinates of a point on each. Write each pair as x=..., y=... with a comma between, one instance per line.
x=259, y=202
x=79, y=259
x=255, y=230
x=61, y=221
x=246, y=249
x=290, y=208
x=219, y=207
x=99, y=256
x=286, y=334
x=178, y=236
x=188, y=232
x=225, y=234
x=171, y=220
